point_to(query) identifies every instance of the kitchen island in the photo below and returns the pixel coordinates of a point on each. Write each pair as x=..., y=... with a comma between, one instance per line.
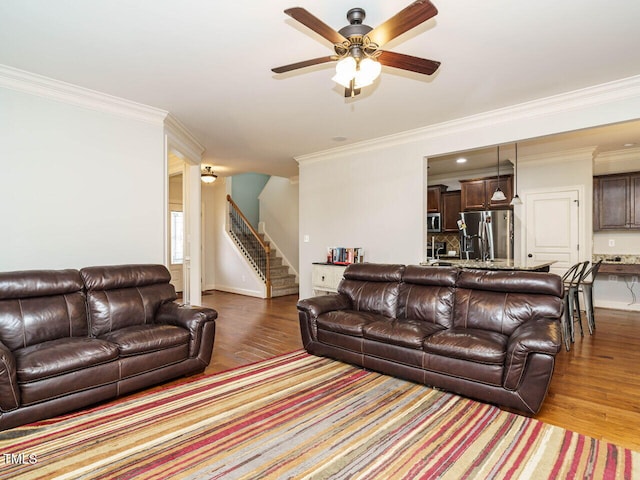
x=498, y=264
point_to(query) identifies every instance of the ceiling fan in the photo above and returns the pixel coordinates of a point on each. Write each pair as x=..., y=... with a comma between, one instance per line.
x=357, y=46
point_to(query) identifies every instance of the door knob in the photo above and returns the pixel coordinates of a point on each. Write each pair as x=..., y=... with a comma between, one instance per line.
x=530, y=255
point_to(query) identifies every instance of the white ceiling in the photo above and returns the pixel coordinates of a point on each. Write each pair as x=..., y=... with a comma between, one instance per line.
x=208, y=62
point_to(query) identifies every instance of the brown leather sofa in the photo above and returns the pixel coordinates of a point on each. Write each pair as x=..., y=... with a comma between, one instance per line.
x=488, y=335
x=72, y=338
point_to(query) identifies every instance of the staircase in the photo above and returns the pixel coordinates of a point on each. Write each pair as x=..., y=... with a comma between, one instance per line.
x=261, y=256
x=282, y=282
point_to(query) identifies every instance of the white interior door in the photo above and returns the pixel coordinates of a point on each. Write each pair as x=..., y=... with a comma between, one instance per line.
x=552, y=228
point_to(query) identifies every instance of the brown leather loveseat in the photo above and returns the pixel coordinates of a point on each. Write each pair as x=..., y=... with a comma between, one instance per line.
x=488, y=335
x=71, y=338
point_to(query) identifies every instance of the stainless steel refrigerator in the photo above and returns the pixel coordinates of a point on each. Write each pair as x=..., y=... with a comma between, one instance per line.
x=486, y=235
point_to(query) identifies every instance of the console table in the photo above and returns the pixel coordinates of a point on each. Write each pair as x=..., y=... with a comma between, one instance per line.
x=325, y=277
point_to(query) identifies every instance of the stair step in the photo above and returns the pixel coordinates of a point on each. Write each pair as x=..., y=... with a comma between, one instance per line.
x=278, y=271
x=275, y=261
x=282, y=291
x=282, y=280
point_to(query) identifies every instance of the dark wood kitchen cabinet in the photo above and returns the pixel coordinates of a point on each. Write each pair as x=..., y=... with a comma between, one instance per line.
x=616, y=202
x=476, y=194
x=451, y=208
x=434, y=198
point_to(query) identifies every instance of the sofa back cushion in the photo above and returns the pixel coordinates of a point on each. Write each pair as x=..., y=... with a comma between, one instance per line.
x=41, y=305
x=372, y=287
x=501, y=301
x=125, y=295
x=427, y=294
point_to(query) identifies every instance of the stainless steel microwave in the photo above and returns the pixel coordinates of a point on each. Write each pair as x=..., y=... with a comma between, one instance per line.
x=433, y=223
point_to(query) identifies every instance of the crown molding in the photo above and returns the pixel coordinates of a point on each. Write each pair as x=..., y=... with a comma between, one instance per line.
x=599, y=94
x=574, y=154
x=619, y=155
x=617, y=161
x=181, y=141
x=34, y=84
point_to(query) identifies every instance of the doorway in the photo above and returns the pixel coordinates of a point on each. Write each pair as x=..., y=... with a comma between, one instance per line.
x=553, y=228
x=176, y=224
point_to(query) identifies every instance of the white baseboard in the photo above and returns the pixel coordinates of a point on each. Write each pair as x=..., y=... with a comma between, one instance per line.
x=618, y=305
x=239, y=291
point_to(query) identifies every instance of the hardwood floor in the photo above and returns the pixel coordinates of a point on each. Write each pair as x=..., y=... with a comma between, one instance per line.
x=251, y=329
x=595, y=388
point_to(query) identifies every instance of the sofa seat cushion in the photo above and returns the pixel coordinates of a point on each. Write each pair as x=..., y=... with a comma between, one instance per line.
x=348, y=322
x=472, y=344
x=64, y=355
x=405, y=333
x=139, y=339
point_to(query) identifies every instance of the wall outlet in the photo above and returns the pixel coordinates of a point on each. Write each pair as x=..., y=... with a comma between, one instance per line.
x=612, y=242
x=305, y=239
x=613, y=278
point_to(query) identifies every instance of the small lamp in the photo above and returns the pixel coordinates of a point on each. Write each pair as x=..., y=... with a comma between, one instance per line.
x=207, y=175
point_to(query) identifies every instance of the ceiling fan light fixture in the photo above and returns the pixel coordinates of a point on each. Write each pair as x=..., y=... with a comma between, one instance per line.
x=368, y=71
x=207, y=175
x=345, y=71
x=359, y=43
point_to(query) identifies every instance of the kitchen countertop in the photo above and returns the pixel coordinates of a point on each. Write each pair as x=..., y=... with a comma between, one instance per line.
x=616, y=259
x=614, y=264
x=492, y=265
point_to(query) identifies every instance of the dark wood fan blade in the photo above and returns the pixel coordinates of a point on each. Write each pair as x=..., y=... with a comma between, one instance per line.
x=306, y=63
x=407, y=62
x=412, y=16
x=315, y=24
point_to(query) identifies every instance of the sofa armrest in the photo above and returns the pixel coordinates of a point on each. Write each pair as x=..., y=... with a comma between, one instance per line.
x=191, y=318
x=316, y=306
x=537, y=336
x=9, y=392
x=310, y=309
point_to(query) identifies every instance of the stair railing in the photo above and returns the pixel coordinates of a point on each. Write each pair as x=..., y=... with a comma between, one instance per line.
x=250, y=242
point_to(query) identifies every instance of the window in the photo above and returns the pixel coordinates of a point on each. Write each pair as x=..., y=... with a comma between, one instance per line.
x=177, y=237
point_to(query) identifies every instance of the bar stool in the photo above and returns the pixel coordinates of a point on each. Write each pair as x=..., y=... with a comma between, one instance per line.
x=571, y=280
x=586, y=287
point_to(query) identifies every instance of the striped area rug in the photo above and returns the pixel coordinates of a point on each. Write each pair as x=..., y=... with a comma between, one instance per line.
x=300, y=416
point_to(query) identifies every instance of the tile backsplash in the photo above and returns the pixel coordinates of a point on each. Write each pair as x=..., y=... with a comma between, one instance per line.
x=451, y=239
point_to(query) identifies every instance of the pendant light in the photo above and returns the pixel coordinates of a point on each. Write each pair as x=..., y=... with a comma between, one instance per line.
x=516, y=199
x=207, y=175
x=498, y=195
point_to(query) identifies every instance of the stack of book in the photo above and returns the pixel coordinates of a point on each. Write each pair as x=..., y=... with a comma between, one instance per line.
x=345, y=256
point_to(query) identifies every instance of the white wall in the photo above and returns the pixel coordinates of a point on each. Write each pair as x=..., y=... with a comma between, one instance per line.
x=371, y=194
x=78, y=186
x=224, y=267
x=374, y=201
x=279, y=207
